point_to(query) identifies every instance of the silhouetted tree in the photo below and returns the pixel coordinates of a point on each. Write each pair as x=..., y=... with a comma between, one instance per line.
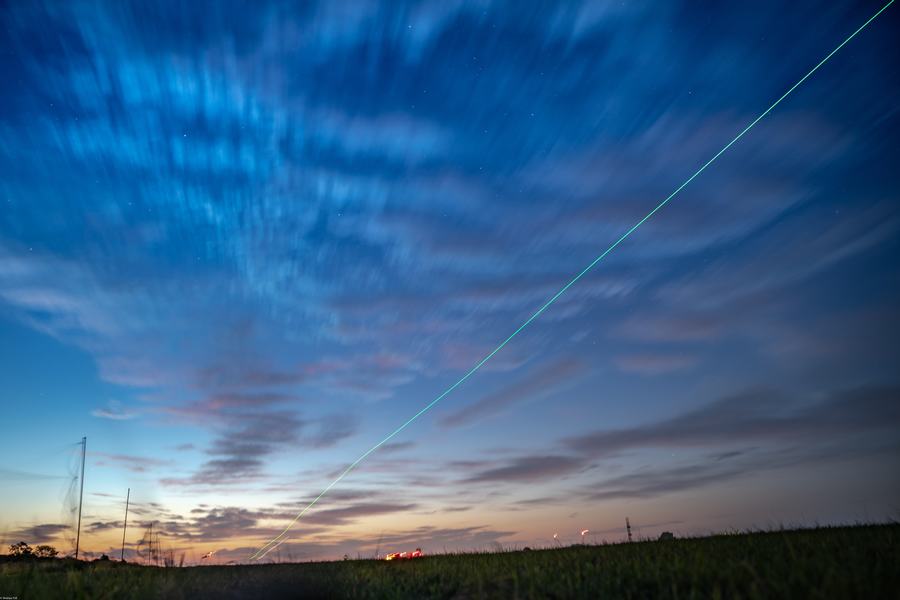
x=22, y=550
x=45, y=551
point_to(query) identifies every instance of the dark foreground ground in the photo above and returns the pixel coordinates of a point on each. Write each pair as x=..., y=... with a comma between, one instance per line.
x=845, y=562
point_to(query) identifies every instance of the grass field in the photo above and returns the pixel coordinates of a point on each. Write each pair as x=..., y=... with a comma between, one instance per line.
x=840, y=562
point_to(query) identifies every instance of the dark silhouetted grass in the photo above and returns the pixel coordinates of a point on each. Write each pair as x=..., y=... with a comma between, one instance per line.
x=839, y=562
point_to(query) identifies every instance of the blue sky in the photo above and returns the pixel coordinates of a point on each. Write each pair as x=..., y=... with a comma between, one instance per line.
x=242, y=242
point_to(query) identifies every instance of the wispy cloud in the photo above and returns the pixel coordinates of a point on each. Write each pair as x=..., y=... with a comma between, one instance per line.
x=18, y=475
x=654, y=364
x=653, y=482
x=246, y=438
x=238, y=453
x=39, y=534
x=530, y=468
x=135, y=464
x=754, y=416
x=536, y=384
x=114, y=411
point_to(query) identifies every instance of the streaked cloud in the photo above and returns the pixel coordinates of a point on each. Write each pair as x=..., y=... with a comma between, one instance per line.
x=536, y=384
x=529, y=468
x=114, y=411
x=654, y=364
x=755, y=416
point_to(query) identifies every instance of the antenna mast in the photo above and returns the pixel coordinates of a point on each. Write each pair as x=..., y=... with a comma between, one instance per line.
x=125, y=524
x=628, y=527
x=80, y=496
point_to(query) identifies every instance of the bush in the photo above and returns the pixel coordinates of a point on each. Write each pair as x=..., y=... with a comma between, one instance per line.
x=45, y=551
x=21, y=550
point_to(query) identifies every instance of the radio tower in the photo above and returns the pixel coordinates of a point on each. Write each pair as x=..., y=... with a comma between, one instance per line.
x=125, y=524
x=80, y=496
x=628, y=528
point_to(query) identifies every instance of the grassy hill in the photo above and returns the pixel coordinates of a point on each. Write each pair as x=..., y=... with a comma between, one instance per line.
x=839, y=562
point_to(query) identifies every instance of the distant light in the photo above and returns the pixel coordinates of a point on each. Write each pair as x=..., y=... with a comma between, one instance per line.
x=417, y=553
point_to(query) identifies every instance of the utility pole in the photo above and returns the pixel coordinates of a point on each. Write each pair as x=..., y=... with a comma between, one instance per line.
x=150, y=543
x=80, y=496
x=628, y=527
x=125, y=524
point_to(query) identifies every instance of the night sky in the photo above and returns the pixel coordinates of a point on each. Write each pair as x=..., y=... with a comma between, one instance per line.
x=241, y=242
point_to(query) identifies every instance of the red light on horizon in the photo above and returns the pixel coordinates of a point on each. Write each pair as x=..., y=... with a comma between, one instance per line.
x=417, y=553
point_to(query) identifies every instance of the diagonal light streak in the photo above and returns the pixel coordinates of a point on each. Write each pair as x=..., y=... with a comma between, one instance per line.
x=280, y=538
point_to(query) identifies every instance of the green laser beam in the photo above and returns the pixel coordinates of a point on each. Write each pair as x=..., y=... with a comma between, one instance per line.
x=279, y=539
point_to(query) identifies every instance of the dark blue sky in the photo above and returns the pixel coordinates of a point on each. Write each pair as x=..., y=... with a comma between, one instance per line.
x=241, y=242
